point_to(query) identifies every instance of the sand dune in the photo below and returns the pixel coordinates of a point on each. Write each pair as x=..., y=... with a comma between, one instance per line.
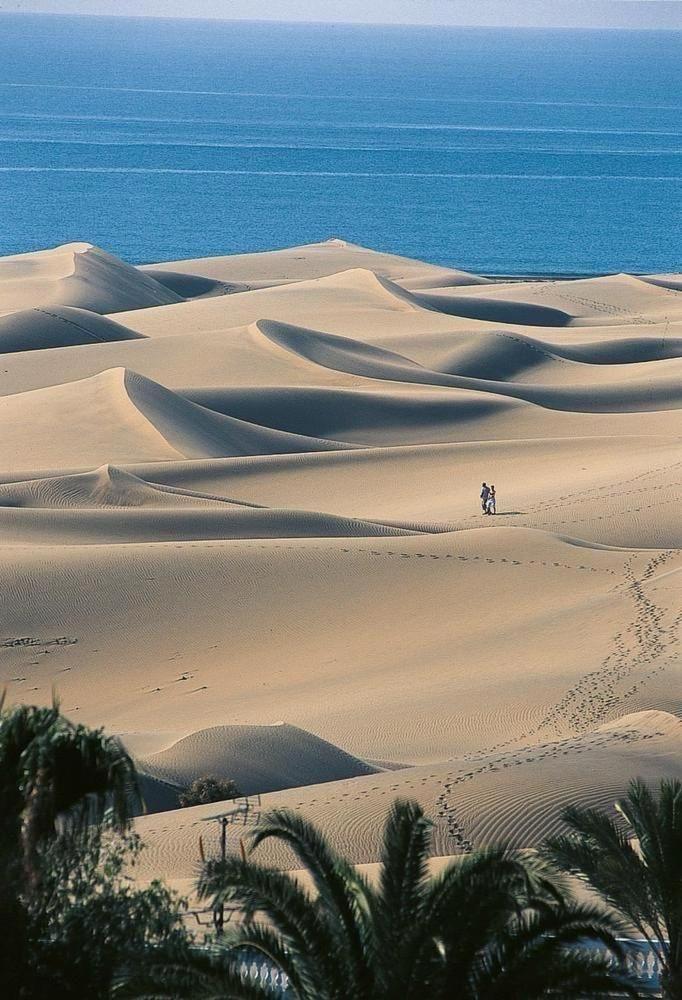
x=105, y=487
x=316, y=260
x=190, y=286
x=495, y=309
x=122, y=416
x=673, y=281
x=575, y=626
x=263, y=758
x=636, y=388
x=252, y=494
x=58, y=326
x=224, y=520
x=502, y=356
x=473, y=802
x=619, y=298
x=188, y=359
x=617, y=491
x=350, y=293
x=77, y=274
x=208, y=335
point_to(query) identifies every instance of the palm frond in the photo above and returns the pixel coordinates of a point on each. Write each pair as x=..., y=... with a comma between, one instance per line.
x=657, y=825
x=88, y=775
x=544, y=950
x=190, y=974
x=342, y=893
x=599, y=851
x=404, y=869
x=399, y=903
x=468, y=906
x=302, y=927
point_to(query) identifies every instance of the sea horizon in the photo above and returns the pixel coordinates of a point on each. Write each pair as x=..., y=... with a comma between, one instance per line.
x=360, y=24
x=281, y=133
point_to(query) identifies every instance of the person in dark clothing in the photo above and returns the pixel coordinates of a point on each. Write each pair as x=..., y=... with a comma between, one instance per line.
x=485, y=493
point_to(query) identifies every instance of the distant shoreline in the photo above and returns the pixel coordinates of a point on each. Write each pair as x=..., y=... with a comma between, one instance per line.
x=431, y=25
x=557, y=275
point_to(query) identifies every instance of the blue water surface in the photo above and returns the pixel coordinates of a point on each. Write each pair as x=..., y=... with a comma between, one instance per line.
x=497, y=150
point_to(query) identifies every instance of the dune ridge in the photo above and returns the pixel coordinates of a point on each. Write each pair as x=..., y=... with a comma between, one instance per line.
x=315, y=260
x=263, y=758
x=126, y=417
x=246, y=489
x=78, y=275
x=44, y=327
x=662, y=391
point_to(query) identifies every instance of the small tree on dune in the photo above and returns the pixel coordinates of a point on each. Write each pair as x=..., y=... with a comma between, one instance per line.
x=208, y=789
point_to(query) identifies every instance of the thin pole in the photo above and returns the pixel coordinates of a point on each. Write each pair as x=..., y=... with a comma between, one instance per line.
x=219, y=915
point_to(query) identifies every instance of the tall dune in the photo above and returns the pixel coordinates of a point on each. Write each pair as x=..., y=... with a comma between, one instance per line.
x=122, y=416
x=258, y=759
x=80, y=275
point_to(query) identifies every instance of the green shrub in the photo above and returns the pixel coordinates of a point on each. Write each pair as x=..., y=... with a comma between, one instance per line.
x=208, y=789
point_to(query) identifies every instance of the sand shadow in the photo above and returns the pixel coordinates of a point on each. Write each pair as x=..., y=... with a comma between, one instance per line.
x=506, y=513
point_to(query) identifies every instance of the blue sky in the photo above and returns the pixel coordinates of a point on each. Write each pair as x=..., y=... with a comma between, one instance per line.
x=569, y=13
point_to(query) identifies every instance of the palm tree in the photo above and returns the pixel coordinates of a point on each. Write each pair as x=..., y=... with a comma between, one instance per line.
x=70, y=917
x=490, y=927
x=636, y=867
x=56, y=775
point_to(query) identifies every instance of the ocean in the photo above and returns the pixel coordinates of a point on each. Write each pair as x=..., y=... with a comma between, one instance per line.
x=495, y=150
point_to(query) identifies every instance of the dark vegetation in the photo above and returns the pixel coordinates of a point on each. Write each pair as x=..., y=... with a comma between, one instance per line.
x=208, y=789
x=492, y=925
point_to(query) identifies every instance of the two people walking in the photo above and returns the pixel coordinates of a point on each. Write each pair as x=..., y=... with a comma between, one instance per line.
x=488, y=499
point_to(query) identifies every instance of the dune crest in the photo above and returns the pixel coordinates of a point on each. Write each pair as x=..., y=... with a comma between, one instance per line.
x=262, y=758
x=604, y=301
x=79, y=275
x=126, y=417
x=316, y=260
x=108, y=486
x=58, y=326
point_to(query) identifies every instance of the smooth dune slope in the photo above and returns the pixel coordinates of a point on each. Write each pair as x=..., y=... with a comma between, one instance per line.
x=58, y=326
x=241, y=272
x=77, y=274
x=611, y=300
x=240, y=526
x=480, y=636
x=123, y=416
x=263, y=758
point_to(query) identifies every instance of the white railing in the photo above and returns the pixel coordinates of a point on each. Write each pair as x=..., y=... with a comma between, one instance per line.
x=642, y=964
x=256, y=969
